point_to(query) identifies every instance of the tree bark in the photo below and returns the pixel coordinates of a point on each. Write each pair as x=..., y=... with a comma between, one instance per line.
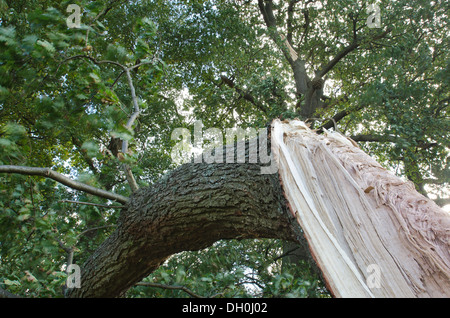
x=191, y=208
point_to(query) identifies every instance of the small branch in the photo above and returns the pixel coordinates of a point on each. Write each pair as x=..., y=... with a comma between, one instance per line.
x=64, y=247
x=68, y=250
x=170, y=287
x=94, y=229
x=340, y=115
x=290, y=12
x=390, y=138
x=94, y=61
x=377, y=138
x=48, y=173
x=245, y=95
x=143, y=63
x=93, y=204
x=306, y=25
x=117, y=79
x=7, y=294
x=130, y=178
x=78, y=144
x=101, y=14
x=287, y=253
x=326, y=68
x=353, y=46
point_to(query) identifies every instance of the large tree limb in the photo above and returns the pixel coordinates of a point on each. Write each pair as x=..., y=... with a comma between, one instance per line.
x=353, y=212
x=48, y=173
x=189, y=209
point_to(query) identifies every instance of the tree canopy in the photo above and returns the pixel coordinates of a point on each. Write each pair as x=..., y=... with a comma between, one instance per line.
x=97, y=103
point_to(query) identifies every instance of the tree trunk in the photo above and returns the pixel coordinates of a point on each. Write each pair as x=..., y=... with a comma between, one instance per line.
x=191, y=208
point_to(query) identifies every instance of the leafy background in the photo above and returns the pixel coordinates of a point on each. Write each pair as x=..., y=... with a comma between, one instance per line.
x=63, y=112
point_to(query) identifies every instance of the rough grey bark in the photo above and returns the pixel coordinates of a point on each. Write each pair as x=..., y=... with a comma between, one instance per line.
x=191, y=208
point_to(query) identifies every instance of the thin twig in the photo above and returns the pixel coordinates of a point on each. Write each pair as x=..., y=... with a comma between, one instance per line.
x=93, y=204
x=81, y=56
x=95, y=228
x=148, y=284
x=48, y=173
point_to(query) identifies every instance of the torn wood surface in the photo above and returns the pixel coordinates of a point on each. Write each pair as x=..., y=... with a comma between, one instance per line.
x=371, y=233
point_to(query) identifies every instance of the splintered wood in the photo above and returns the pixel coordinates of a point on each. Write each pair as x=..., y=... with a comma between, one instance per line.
x=371, y=233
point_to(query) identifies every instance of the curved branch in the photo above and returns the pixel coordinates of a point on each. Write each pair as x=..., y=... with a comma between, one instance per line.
x=189, y=209
x=136, y=111
x=48, y=173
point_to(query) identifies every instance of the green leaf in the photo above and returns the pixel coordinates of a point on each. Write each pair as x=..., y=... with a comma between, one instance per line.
x=91, y=148
x=11, y=282
x=46, y=45
x=8, y=35
x=95, y=77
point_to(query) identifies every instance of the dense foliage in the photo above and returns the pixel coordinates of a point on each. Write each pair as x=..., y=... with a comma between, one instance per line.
x=65, y=101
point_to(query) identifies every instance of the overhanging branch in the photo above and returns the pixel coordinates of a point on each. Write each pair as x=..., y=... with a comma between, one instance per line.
x=326, y=68
x=191, y=208
x=350, y=48
x=245, y=95
x=48, y=173
x=163, y=286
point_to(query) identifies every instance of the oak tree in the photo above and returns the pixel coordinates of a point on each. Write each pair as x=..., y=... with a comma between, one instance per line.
x=87, y=114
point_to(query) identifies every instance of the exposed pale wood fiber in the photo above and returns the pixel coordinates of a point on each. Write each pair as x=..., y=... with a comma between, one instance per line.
x=359, y=218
